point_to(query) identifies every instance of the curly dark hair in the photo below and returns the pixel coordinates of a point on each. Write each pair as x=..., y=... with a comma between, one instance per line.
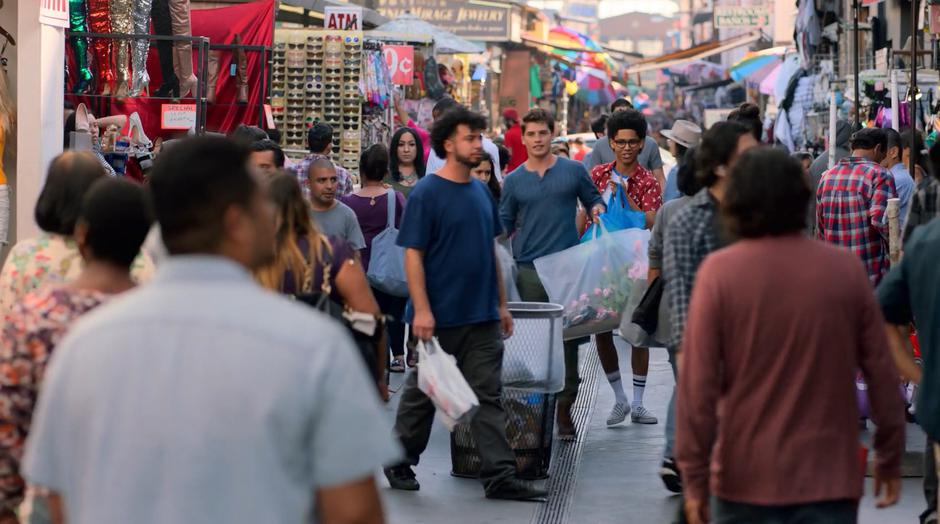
x=537, y=114
x=749, y=115
x=767, y=195
x=686, y=181
x=445, y=127
x=717, y=147
x=627, y=119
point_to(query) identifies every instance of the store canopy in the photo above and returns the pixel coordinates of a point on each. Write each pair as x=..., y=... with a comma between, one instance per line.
x=444, y=41
x=695, y=53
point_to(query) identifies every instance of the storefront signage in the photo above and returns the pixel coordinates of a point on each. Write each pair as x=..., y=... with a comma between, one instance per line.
x=401, y=63
x=54, y=13
x=178, y=116
x=342, y=18
x=739, y=16
x=472, y=19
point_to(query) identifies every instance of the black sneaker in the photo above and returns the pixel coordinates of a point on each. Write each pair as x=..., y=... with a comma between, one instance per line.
x=402, y=477
x=670, y=475
x=515, y=489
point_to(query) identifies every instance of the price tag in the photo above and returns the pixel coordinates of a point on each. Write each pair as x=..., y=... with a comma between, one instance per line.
x=178, y=116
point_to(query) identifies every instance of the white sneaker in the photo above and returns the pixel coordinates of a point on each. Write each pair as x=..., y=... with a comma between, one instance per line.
x=618, y=414
x=641, y=415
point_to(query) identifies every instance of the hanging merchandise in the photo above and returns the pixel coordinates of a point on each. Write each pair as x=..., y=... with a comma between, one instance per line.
x=120, y=23
x=7, y=113
x=182, y=50
x=163, y=26
x=77, y=15
x=377, y=91
x=432, y=79
x=99, y=22
x=139, y=48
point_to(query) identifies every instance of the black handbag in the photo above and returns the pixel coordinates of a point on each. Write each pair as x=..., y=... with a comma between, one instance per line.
x=367, y=344
x=646, y=314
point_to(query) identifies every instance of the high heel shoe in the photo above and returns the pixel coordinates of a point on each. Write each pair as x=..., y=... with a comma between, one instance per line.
x=82, y=120
x=138, y=137
x=188, y=87
x=82, y=87
x=141, y=84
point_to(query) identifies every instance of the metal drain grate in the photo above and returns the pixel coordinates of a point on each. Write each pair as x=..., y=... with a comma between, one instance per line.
x=566, y=455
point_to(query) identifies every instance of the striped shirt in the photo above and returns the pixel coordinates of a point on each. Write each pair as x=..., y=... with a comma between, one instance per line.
x=850, y=211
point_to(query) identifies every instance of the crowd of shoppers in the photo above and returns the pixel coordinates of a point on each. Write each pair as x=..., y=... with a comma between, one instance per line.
x=237, y=332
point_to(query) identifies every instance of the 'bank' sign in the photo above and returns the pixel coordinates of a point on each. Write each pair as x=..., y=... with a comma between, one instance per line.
x=739, y=16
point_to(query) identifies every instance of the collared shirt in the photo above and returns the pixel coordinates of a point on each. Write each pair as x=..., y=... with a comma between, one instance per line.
x=925, y=205
x=222, y=401
x=851, y=201
x=910, y=291
x=49, y=259
x=31, y=333
x=777, y=329
x=344, y=182
x=543, y=208
x=692, y=234
x=641, y=186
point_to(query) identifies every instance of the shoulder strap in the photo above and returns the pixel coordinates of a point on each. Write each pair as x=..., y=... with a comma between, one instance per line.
x=390, y=223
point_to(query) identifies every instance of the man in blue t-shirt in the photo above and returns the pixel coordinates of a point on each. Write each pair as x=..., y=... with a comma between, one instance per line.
x=457, y=296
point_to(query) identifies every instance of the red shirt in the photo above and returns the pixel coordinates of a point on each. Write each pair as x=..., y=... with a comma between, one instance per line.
x=642, y=187
x=513, y=140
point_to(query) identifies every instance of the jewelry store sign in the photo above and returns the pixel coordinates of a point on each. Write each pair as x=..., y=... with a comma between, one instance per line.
x=54, y=13
x=742, y=17
x=471, y=19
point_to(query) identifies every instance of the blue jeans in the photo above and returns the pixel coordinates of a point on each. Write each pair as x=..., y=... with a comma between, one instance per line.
x=671, y=414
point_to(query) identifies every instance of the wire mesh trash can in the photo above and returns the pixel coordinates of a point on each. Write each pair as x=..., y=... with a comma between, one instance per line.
x=530, y=426
x=533, y=371
x=534, y=357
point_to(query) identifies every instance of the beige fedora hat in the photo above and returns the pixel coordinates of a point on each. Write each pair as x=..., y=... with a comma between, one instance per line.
x=684, y=133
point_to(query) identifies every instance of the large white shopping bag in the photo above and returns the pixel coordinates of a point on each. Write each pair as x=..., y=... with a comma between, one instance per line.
x=441, y=380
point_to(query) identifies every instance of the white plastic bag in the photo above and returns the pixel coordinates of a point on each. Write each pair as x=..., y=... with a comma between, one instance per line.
x=595, y=280
x=508, y=272
x=441, y=380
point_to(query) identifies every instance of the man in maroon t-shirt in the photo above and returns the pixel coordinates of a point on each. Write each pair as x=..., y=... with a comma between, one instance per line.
x=513, y=139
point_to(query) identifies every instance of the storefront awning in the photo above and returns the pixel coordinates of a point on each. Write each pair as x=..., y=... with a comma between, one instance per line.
x=694, y=53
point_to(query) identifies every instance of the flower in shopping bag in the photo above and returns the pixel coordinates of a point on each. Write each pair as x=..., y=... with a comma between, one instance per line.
x=606, y=292
x=584, y=296
x=597, y=291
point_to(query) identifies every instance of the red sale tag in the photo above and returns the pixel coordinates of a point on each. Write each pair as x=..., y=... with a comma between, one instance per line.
x=401, y=63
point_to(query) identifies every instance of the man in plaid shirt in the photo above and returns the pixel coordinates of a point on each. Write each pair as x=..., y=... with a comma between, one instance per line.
x=851, y=201
x=695, y=231
x=320, y=144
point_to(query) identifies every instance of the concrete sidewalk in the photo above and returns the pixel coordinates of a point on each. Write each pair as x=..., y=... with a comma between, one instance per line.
x=617, y=480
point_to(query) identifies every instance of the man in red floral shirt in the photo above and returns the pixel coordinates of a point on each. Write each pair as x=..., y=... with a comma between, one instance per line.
x=626, y=133
x=851, y=201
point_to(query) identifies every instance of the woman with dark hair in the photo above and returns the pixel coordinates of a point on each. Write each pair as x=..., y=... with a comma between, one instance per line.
x=749, y=115
x=112, y=223
x=301, y=250
x=371, y=207
x=406, y=160
x=484, y=173
x=53, y=256
x=737, y=399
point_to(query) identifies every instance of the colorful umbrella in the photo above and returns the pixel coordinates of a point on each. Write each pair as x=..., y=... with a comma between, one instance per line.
x=768, y=83
x=594, y=87
x=757, y=63
x=578, y=49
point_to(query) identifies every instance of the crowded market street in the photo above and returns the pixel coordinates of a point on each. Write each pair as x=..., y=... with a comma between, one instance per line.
x=485, y=261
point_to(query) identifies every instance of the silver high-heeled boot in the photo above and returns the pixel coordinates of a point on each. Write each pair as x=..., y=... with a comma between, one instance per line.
x=139, y=48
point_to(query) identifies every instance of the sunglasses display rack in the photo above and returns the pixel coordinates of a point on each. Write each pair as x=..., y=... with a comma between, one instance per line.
x=316, y=78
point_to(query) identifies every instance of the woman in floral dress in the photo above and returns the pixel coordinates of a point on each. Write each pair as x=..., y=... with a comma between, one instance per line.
x=111, y=226
x=53, y=256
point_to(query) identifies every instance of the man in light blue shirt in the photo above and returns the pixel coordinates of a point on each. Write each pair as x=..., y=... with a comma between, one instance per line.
x=202, y=397
x=902, y=176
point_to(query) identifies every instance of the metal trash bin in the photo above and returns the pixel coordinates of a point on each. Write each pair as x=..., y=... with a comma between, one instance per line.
x=530, y=426
x=533, y=371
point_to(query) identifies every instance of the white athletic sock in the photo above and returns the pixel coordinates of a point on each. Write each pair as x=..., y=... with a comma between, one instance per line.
x=639, y=384
x=617, y=385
